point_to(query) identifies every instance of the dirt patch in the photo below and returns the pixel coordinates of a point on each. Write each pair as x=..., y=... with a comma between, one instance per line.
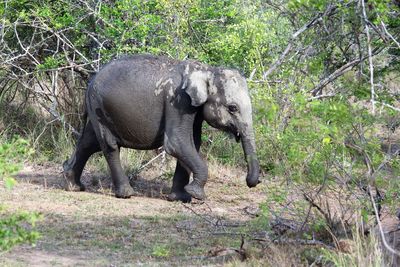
x=94, y=228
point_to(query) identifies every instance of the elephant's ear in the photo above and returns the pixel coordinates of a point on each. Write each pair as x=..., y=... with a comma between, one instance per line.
x=197, y=87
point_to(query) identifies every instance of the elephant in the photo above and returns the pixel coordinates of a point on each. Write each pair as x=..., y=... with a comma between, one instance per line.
x=145, y=102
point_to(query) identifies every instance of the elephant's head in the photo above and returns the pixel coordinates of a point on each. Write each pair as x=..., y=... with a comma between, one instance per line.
x=226, y=105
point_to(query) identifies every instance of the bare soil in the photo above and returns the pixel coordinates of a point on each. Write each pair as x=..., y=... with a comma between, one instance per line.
x=93, y=228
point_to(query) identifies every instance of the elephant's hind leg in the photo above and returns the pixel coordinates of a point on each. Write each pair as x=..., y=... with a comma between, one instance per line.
x=121, y=182
x=87, y=145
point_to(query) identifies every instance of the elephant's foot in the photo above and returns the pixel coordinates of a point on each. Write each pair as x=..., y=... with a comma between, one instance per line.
x=124, y=191
x=183, y=196
x=70, y=183
x=196, y=190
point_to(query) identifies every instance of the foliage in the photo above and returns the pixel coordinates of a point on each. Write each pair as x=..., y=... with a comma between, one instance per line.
x=160, y=251
x=11, y=156
x=15, y=228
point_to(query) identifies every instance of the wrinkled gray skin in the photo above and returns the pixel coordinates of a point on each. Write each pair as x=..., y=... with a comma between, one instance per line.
x=144, y=102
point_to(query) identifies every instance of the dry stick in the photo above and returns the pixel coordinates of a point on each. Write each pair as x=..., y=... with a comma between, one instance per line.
x=57, y=116
x=388, y=34
x=26, y=49
x=320, y=97
x=278, y=61
x=389, y=106
x=387, y=246
x=371, y=65
x=4, y=21
x=150, y=161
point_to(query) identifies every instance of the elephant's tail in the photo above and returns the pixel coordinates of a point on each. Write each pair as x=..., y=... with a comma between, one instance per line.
x=84, y=119
x=84, y=122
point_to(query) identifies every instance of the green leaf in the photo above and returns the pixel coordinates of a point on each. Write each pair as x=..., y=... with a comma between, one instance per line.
x=9, y=182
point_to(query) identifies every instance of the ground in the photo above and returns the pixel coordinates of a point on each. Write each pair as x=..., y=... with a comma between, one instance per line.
x=94, y=228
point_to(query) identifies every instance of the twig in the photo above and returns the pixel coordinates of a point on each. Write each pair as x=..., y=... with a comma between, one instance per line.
x=389, y=106
x=388, y=34
x=371, y=65
x=288, y=48
x=57, y=116
x=150, y=161
x=361, y=152
x=387, y=246
x=279, y=61
x=320, y=97
x=296, y=242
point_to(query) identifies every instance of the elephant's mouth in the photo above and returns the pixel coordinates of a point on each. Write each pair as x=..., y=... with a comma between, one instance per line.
x=237, y=137
x=232, y=129
x=234, y=135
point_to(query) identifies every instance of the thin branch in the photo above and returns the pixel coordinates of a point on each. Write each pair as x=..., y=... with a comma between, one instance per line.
x=336, y=74
x=162, y=154
x=387, y=246
x=279, y=61
x=342, y=70
x=320, y=97
x=288, y=48
x=371, y=65
x=389, y=106
x=388, y=34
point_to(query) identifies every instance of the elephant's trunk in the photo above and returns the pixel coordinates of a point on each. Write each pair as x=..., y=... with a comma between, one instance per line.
x=253, y=167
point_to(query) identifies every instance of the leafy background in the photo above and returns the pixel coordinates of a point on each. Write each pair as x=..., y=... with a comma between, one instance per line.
x=323, y=75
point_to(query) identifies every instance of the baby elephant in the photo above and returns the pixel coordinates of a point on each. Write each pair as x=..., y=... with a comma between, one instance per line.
x=144, y=102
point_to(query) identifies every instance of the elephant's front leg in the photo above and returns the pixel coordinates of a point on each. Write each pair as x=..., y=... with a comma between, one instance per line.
x=182, y=173
x=180, y=180
x=196, y=187
x=185, y=151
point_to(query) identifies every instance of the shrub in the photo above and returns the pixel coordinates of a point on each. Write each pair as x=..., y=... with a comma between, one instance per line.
x=15, y=227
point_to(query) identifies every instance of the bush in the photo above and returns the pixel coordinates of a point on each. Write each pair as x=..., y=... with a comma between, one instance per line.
x=15, y=227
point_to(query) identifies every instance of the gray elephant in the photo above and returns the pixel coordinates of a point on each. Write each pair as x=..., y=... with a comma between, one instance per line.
x=144, y=102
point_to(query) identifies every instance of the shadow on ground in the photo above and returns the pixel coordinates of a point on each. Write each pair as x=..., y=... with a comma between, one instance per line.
x=95, y=182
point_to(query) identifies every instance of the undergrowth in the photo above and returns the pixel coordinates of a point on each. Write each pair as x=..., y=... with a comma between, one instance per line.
x=15, y=227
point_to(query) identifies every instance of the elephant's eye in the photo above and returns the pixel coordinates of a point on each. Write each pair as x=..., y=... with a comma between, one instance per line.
x=233, y=108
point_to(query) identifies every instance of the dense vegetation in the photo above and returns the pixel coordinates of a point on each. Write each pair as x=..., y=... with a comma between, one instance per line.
x=324, y=79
